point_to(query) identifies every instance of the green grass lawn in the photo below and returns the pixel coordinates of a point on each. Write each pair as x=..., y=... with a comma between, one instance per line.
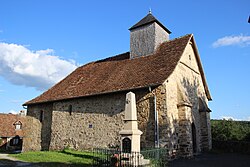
x=57, y=158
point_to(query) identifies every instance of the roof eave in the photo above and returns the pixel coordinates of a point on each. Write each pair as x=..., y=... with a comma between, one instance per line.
x=96, y=94
x=162, y=26
x=201, y=70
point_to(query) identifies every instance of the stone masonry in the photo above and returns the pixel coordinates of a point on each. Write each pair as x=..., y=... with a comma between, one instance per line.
x=90, y=121
x=183, y=88
x=32, y=134
x=96, y=121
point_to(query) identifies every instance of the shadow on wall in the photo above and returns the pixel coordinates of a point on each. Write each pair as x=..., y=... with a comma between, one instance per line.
x=32, y=134
x=46, y=122
x=168, y=135
x=145, y=116
x=199, y=120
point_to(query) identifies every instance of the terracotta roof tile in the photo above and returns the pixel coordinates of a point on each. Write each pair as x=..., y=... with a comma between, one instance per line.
x=7, y=127
x=118, y=73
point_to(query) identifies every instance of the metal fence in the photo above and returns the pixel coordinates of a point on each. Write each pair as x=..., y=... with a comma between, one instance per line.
x=116, y=158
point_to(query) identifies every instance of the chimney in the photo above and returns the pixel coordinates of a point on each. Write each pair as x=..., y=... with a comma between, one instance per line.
x=146, y=36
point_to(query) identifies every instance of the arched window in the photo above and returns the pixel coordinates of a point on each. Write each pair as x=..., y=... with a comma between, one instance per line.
x=126, y=145
x=70, y=109
x=41, y=116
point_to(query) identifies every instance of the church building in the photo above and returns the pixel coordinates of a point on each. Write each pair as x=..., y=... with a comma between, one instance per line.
x=86, y=109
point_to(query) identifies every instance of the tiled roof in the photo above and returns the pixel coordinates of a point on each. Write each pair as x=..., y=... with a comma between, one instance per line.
x=118, y=73
x=7, y=127
x=148, y=20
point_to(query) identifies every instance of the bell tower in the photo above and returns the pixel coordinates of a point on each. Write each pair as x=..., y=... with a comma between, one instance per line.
x=146, y=36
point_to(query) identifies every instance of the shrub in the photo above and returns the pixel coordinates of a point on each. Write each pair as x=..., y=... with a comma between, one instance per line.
x=231, y=136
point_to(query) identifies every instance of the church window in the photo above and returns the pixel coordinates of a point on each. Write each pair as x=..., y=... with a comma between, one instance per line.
x=70, y=109
x=41, y=116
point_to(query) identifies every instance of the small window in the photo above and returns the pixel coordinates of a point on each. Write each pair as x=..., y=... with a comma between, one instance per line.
x=18, y=125
x=15, y=141
x=70, y=109
x=41, y=116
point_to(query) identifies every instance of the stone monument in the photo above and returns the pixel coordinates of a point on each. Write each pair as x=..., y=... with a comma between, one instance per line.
x=130, y=135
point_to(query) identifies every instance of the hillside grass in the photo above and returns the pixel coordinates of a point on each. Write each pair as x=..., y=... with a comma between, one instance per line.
x=57, y=158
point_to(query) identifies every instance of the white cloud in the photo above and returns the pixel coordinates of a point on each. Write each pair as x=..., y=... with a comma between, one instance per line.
x=228, y=118
x=235, y=119
x=13, y=112
x=240, y=40
x=45, y=52
x=39, y=69
x=248, y=119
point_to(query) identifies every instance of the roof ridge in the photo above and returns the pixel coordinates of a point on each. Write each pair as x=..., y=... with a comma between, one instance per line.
x=107, y=59
x=113, y=58
x=180, y=37
x=149, y=18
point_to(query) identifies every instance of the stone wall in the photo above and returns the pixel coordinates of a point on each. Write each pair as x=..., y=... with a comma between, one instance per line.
x=94, y=122
x=146, y=115
x=32, y=134
x=43, y=113
x=183, y=89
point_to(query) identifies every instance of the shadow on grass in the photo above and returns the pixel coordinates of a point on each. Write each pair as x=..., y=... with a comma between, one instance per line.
x=59, y=164
x=10, y=163
x=80, y=155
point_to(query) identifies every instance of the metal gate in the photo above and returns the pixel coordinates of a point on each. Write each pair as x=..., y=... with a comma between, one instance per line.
x=116, y=158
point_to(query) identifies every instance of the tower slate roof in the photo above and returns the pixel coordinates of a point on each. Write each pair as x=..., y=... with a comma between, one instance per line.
x=120, y=73
x=148, y=20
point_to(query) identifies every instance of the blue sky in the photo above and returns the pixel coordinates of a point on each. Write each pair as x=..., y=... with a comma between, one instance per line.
x=42, y=41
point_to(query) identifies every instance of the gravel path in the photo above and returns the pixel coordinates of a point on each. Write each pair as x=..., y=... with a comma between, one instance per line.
x=8, y=161
x=214, y=160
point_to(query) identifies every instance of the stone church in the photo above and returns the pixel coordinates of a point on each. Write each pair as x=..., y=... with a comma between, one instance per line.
x=86, y=109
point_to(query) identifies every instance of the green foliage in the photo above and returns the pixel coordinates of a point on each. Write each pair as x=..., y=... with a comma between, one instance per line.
x=229, y=130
